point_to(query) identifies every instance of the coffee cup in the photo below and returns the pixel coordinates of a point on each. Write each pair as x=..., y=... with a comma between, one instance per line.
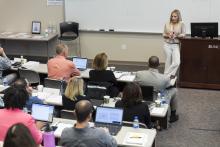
x=106, y=99
x=158, y=103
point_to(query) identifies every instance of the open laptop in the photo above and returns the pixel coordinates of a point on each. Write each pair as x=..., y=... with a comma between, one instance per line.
x=110, y=118
x=147, y=93
x=81, y=63
x=42, y=112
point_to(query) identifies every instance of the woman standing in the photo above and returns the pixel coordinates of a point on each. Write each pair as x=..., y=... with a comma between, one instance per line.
x=173, y=30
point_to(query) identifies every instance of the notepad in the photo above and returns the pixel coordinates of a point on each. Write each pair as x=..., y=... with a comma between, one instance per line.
x=157, y=110
x=61, y=127
x=133, y=138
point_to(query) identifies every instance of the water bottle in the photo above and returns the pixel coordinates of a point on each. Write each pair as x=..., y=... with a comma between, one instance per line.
x=5, y=81
x=48, y=137
x=136, y=122
x=22, y=60
x=158, y=96
x=163, y=97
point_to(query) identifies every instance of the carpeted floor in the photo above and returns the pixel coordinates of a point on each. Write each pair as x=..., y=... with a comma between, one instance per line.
x=199, y=123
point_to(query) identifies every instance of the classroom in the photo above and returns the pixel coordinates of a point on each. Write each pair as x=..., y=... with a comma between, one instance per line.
x=131, y=36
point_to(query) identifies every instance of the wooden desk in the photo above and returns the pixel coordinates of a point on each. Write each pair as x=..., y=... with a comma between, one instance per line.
x=200, y=60
x=151, y=133
x=28, y=44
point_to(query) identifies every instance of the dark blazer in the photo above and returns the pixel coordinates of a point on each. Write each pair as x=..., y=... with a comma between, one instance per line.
x=102, y=76
x=105, y=76
x=140, y=109
x=69, y=104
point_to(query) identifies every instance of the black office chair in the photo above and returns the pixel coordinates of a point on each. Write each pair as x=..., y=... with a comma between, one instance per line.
x=53, y=83
x=32, y=76
x=69, y=31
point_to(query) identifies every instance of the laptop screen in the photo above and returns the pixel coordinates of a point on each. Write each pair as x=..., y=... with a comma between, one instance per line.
x=81, y=63
x=109, y=115
x=42, y=112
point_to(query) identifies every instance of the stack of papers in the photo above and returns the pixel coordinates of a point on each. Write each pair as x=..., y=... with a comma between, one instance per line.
x=118, y=74
x=128, y=78
x=135, y=139
x=61, y=127
x=31, y=64
x=157, y=110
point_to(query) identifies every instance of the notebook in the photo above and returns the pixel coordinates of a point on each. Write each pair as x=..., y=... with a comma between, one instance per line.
x=42, y=112
x=110, y=118
x=80, y=63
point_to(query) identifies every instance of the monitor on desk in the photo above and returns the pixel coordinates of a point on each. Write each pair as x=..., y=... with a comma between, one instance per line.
x=209, y=29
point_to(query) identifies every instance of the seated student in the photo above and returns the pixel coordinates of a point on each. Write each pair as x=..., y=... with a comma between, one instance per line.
x=23, y=83
x=100, y=74
x=15, y=99
x=59, y=67
x=133, y=105
x=160, y=82
x=73, y=93
x=18, y=135
x=81, y=135
x=5, y=64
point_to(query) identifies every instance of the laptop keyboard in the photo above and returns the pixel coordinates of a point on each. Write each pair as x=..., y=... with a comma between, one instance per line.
x=113, y=129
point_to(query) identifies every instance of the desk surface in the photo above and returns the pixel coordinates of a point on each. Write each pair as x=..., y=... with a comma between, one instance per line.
x=151, y=133
x=154, y=111
x=42, y=68
x=26, y=36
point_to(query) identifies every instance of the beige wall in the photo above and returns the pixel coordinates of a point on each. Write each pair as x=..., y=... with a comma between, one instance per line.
x=17, y=15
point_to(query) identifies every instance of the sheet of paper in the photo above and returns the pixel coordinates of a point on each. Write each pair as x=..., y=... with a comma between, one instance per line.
x=52, y=91
x=133, y=138
x=61, y=127
x=128, y=78
x=31, y=64
x=118, y=74
x=42, y=95
x=54, y=99
x=157, y=110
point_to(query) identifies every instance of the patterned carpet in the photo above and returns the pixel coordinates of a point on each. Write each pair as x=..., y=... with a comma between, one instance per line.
x=199, y=124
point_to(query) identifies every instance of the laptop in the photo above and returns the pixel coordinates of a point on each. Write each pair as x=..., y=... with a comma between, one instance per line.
x=42, y=112
x=148, y=94
x=110, y=118
x=80, y=63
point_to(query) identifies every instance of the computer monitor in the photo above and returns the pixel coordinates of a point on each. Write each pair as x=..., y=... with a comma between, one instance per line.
x=208, y=29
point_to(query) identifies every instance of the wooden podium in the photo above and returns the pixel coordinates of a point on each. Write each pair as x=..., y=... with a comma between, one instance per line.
x=200, y=63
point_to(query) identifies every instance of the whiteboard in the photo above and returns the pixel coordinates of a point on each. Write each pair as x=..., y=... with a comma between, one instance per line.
x=138, y=15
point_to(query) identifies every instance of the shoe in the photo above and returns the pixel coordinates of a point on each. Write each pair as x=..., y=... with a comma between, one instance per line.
x=174, y=118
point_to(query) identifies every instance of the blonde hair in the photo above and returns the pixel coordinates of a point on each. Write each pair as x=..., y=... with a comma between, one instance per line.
x=100, y=62
x=178, y=15
x=74, y=88
x=60, y=48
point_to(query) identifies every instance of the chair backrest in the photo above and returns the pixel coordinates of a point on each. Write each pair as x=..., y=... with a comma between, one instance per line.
x=147, y=92
x=96, y=90
x=57, y=84
x=32, y=76
x=67, y=114
x=69, y=27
